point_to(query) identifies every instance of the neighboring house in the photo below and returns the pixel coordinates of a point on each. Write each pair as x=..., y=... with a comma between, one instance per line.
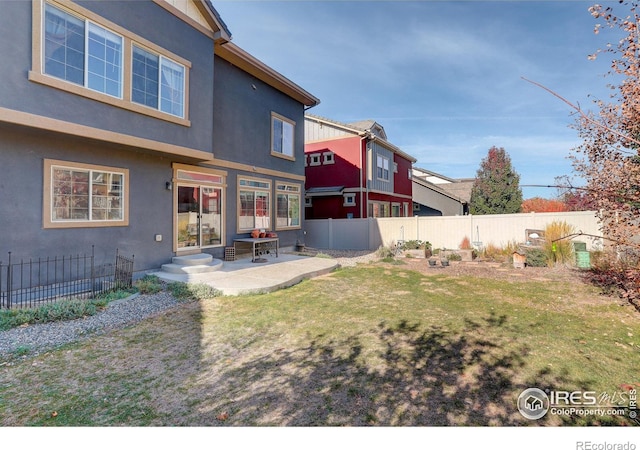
x=138, y=125
x=437, y=195
x=353, y=171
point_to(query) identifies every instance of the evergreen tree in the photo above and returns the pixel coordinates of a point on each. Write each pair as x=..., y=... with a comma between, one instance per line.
x=496, y=189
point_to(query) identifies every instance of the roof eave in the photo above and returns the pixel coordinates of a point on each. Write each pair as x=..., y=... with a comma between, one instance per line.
x=250, y=64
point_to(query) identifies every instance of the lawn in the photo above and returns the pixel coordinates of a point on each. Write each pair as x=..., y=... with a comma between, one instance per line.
x=374, y=345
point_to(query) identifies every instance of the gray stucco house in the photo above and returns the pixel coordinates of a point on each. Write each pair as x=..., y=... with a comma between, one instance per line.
x=138, y=125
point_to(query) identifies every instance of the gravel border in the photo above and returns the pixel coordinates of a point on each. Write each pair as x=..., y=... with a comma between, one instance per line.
x=32, y=340
x=39, y=338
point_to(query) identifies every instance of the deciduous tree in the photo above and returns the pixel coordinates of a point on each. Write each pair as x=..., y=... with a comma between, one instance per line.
x=609, y=159
x=496, y=189
x=539, y=204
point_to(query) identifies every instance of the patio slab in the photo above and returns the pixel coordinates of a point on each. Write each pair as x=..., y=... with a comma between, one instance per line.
x=245, y=277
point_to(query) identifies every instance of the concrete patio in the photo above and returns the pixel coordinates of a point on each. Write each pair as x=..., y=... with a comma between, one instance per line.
x=245, y=277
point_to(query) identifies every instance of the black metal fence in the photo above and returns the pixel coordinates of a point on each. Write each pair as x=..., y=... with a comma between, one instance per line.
x=31, y=283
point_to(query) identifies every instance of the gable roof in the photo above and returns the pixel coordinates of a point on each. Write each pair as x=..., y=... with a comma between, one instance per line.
x=219, y=23
x=370, y=125
x=365, y=128
x=457, y=188
x=201, y=15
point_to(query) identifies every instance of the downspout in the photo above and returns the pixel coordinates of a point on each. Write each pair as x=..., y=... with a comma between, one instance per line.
x=361, y=150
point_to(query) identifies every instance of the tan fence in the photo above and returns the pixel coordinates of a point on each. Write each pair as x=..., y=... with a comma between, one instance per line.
x=443, y=232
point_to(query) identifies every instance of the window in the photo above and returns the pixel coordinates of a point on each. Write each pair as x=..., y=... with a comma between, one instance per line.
x=328, y=158
x=82, y=52
x=379, y=209
x=308, y=203
x=315, y=159
x=382, y=168
x=84, y=195
x=253, y=204
x=157, y=82
x=282, y=136
x=349, y=200
x=77, y=51
x=287, y=206
x=395, y=210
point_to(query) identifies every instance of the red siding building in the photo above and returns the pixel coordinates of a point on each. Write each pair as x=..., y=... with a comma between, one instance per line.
x=352, y=171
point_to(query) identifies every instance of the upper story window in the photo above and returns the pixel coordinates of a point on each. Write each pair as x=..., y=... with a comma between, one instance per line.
x=315, y=159
x=157, y=82
x=282, y=136
x=382, y=165
x=81, y=52
x=329, y=158
x=78, y=51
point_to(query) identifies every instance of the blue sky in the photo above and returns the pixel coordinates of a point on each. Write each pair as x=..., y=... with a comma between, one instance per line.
x=444, y=78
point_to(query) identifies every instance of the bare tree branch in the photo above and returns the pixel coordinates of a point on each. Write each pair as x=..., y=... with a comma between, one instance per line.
x=585, y=116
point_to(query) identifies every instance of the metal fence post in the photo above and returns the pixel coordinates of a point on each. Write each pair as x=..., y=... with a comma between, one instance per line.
x=93, y=273
x=9, y=287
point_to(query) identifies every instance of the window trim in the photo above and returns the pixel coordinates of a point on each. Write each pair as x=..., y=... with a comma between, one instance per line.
x=37, y=75
x=315, y=159
x=241, y=188
x=378, y=176
x=161, y=59
x=218, y=180
x=349, y=199
x=47, y=208
x=297, y=191
x=328, y=158
x=283, y=155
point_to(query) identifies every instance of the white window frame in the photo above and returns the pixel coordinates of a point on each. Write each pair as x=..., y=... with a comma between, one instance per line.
x=164, y=63
x=89, y=28
x=290, y=192
x=315, y=159
x=382, y=168
x=328, y=158
x=38, y=73
x=105, y=193
x=254, y=186
x=282, y=137
x=349, y=199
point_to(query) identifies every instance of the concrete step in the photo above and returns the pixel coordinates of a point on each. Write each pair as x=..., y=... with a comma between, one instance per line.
x=212, y=266
x=198, y=259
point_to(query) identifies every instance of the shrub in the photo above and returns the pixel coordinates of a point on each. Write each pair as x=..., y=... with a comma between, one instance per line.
x=192, y=291
x=63, y=310
x=557, y=246
x=465, y=244
x=493, y=253
x=536, y=257
x=454, y=257
x=385, y=252
x=149, y=284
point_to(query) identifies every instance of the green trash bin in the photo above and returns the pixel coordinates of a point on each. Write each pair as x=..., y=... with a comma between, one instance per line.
x=583, y=260
x=579, y=246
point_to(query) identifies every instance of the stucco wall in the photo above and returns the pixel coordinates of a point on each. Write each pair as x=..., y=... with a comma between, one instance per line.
x=145, y=19
x=22, y=155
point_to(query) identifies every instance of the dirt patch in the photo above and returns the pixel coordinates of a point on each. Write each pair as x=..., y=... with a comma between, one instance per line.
x=495, y=271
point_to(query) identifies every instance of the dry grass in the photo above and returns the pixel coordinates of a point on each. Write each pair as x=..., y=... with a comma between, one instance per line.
x=373, y=345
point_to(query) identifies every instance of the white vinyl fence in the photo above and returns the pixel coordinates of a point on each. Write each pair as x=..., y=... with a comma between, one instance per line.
x=444, y=231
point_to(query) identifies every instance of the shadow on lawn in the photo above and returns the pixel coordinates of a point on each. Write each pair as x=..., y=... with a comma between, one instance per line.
x=417, y=377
